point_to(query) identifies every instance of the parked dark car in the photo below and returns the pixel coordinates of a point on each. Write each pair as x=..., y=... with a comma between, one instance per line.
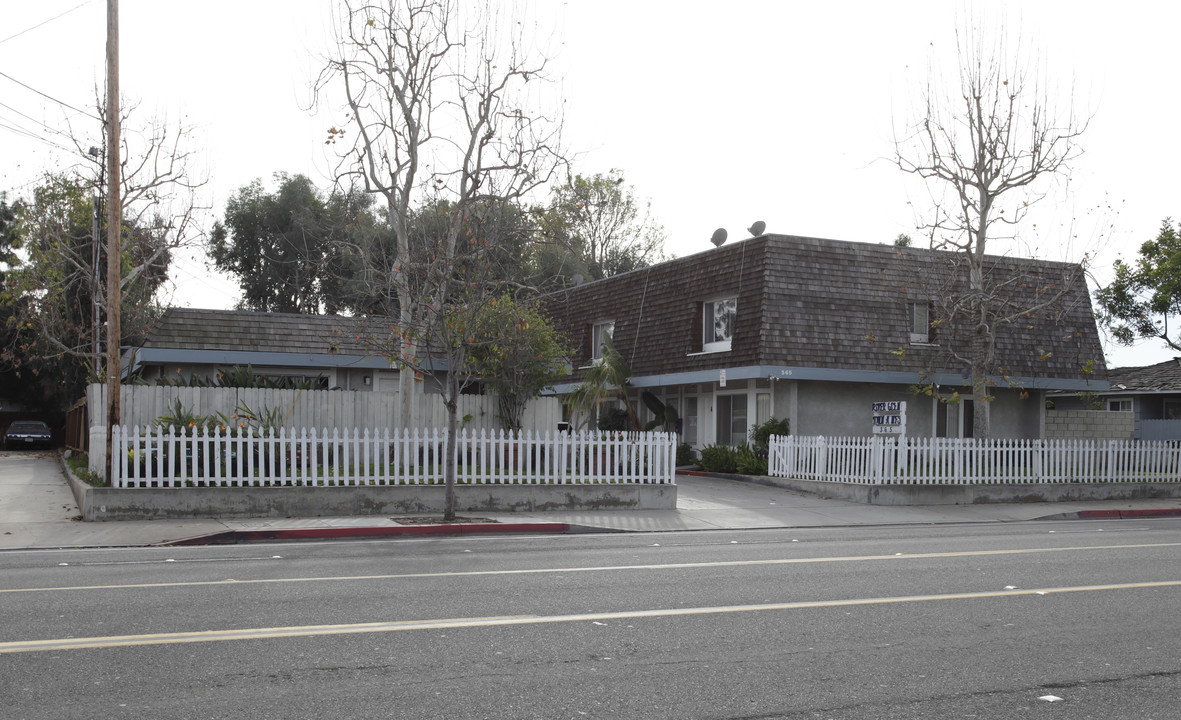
x=27, y=434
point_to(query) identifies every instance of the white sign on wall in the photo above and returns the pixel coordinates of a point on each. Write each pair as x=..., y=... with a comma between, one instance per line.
x=889, y=418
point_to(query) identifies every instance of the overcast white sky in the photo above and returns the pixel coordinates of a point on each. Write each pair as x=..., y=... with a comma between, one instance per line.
x=774, y=111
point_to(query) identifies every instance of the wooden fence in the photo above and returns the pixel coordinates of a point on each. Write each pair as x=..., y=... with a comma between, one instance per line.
x=144, y=404
x=241, y=457
x=956, y=461
x=1160, y=430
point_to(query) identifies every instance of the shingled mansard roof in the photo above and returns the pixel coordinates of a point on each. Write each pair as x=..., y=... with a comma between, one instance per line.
x=239, y=337
x=1162, y=377
x=815, y=309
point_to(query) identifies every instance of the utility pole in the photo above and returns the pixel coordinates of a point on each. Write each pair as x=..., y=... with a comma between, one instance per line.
x=114, y=226
x=96, y=210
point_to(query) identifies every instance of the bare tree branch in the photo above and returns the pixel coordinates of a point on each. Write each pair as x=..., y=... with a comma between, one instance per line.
x=991, y=143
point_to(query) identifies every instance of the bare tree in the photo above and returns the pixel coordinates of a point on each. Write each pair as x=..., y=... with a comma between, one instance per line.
x=472, y=331
x=61, y=285
x=986, y=148
x=437, y=98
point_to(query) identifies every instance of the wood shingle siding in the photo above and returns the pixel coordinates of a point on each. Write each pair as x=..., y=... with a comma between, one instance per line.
x=815, y=303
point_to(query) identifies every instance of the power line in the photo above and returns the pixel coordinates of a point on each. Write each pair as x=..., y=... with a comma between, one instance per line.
x=46, y=22
x=18, y=130
x=59, y=102
x=33, y=136
x=52, y=131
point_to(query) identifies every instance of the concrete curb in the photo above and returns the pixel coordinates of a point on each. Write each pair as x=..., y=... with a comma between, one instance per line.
x=983, y=494
x=235, y=537
x=1136, y=514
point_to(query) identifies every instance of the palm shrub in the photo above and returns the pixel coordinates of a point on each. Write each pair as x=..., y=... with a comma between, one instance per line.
x=604, y=380
x=612, y=418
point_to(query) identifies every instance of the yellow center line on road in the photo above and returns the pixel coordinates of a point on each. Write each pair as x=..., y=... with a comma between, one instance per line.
x=593, y=568
x=111, y=641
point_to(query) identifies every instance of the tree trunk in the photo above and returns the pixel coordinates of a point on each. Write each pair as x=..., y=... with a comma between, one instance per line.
x=449, y=446
x=405, y=398
x=979, y=357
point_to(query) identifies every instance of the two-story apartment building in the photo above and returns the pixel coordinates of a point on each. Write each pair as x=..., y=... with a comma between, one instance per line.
x=817, y=331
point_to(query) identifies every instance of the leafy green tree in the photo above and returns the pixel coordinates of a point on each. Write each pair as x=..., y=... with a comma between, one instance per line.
x=518, y=353
x=34, y=373
x=1144, y=296
x=554, y=266
x=600, y=220
x=57, y=299
x=18, y=378
x=498, y=233
x=9, y=240
x=288, y=248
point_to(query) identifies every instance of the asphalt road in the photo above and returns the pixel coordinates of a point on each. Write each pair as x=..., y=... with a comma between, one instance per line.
x=935, y=622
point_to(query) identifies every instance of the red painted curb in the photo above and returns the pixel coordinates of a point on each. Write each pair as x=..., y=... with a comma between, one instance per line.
x=1099, y=514
x=231, y=537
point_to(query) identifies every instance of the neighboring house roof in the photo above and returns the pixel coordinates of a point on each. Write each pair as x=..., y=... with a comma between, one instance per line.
x=1163, y=377
x=811, y=308
x=239, y=337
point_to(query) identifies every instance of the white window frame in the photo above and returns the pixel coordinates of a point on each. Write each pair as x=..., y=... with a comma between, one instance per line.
x=920, y=322
x=1119, y=404
x=597, y=331
x=710, y=339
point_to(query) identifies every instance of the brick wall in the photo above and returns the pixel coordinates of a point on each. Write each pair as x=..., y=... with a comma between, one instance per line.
x=1090, y=425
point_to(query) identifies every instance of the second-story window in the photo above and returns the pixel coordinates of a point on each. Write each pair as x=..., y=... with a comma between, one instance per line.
x=921, y=330
x=599, y=331
x=717, y=323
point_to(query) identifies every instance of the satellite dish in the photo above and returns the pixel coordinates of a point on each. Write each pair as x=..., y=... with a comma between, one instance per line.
x=758, y=228
x=719, y=237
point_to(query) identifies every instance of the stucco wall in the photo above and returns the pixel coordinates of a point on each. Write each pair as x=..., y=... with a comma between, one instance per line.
x=1018, y=414
x=844, y=409
x=1090, y=424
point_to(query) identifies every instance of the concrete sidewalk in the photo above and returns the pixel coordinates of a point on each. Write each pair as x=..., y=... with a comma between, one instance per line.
x=37, y=510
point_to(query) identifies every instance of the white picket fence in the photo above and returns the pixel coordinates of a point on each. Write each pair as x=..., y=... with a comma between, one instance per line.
x=154, y=457
x=956, y=461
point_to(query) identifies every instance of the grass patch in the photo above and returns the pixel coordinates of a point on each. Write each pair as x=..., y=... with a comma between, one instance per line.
x=79, y=465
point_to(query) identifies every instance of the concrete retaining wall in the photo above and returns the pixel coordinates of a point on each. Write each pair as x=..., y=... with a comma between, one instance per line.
x=973, y=494
x=175, y=503
x=1090, y=425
